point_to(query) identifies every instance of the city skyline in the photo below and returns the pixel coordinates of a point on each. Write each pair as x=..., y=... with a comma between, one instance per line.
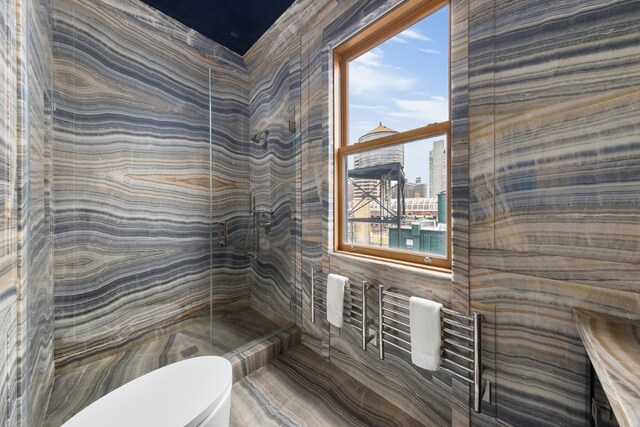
x=404, y=84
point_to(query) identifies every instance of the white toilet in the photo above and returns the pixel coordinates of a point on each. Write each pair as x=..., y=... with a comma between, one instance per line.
x=193, y=392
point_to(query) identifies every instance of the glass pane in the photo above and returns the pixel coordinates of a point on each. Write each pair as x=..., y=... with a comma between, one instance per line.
x=397, y=197
x=403, y=83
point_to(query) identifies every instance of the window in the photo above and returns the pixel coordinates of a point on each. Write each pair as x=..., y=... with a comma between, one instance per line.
x=392, y=137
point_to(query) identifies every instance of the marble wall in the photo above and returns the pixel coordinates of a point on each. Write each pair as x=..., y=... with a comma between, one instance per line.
x=9, y=357
x=130, y=199
x=545, y=171
x=554, y=193
x=230, y=193
x=304, y=35
x=26, y=284
x=274, y=77
x=135, y=217
x=8, y=219
x=137, y=200
x=35, y=254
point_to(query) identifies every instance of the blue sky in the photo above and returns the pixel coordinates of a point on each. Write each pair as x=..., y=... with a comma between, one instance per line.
x=403, y=82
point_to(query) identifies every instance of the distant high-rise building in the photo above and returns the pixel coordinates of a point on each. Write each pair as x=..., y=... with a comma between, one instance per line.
x=420, y=189
x=437, y=169
x=409, y=189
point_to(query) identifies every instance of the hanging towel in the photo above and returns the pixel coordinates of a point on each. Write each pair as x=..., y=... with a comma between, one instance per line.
x=424, y=319
x=335, y=298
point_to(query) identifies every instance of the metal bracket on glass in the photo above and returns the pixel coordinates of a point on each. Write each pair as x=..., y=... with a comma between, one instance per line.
x=223, y=234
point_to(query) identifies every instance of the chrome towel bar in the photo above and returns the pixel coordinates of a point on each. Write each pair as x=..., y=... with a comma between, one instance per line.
x=460, y=348
x=461, y=339
x=358, y=313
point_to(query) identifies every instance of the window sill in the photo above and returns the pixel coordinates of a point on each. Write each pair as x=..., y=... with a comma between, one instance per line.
x=431, y=273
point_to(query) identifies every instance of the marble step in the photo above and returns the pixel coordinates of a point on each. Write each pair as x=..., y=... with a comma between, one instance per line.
x=249, y=340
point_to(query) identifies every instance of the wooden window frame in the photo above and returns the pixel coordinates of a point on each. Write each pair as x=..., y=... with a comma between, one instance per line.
x=391, y=24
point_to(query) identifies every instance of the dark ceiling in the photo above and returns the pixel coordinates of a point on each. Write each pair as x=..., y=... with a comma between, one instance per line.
x=236, y=24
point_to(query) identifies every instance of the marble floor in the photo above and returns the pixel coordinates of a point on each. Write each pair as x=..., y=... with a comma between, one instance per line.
x=220, y=334
x=299, y=388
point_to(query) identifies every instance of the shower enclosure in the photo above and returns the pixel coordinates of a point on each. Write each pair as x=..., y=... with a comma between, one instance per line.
x=159, y=253
x=272, y=242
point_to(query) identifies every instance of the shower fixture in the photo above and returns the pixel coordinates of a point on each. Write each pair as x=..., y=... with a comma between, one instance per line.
x=260, y=136
x=260, y=219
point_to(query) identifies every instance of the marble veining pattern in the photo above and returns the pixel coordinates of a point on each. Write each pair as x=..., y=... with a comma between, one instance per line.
x=246, y=338
x=274, y=75
x=9, y=356
x=37, y=272
x=8, y=226
x=613, y=345
x=553, y=174
x=320, y=25
x=545, y=166
x=135, y=212
x=301, y=389
x=26, y=298
x=545, y=173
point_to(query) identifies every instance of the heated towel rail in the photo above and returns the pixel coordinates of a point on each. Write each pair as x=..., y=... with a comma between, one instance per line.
x=355, y=306
x=461, y=339
x=460, y=349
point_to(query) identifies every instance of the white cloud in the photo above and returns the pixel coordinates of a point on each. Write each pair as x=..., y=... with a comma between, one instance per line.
x=364, y=79
x=414, y=34
x=427, y=50
x=433, y=109
x=368, y=107
x=398, y=39
x=365, y=123
x=410, y=34
x=368, y=73
x=371, y=58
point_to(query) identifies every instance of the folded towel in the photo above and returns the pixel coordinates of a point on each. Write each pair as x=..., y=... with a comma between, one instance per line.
x=335, y=298
x=424, y=319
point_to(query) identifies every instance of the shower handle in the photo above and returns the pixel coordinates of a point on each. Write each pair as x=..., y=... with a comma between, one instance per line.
x=223, y=234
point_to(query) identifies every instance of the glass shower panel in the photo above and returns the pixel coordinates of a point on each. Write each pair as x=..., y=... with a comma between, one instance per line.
x=295, y=204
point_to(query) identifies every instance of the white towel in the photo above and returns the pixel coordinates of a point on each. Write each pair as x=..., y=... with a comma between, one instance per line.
x=424, y=319
x=335, y=298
